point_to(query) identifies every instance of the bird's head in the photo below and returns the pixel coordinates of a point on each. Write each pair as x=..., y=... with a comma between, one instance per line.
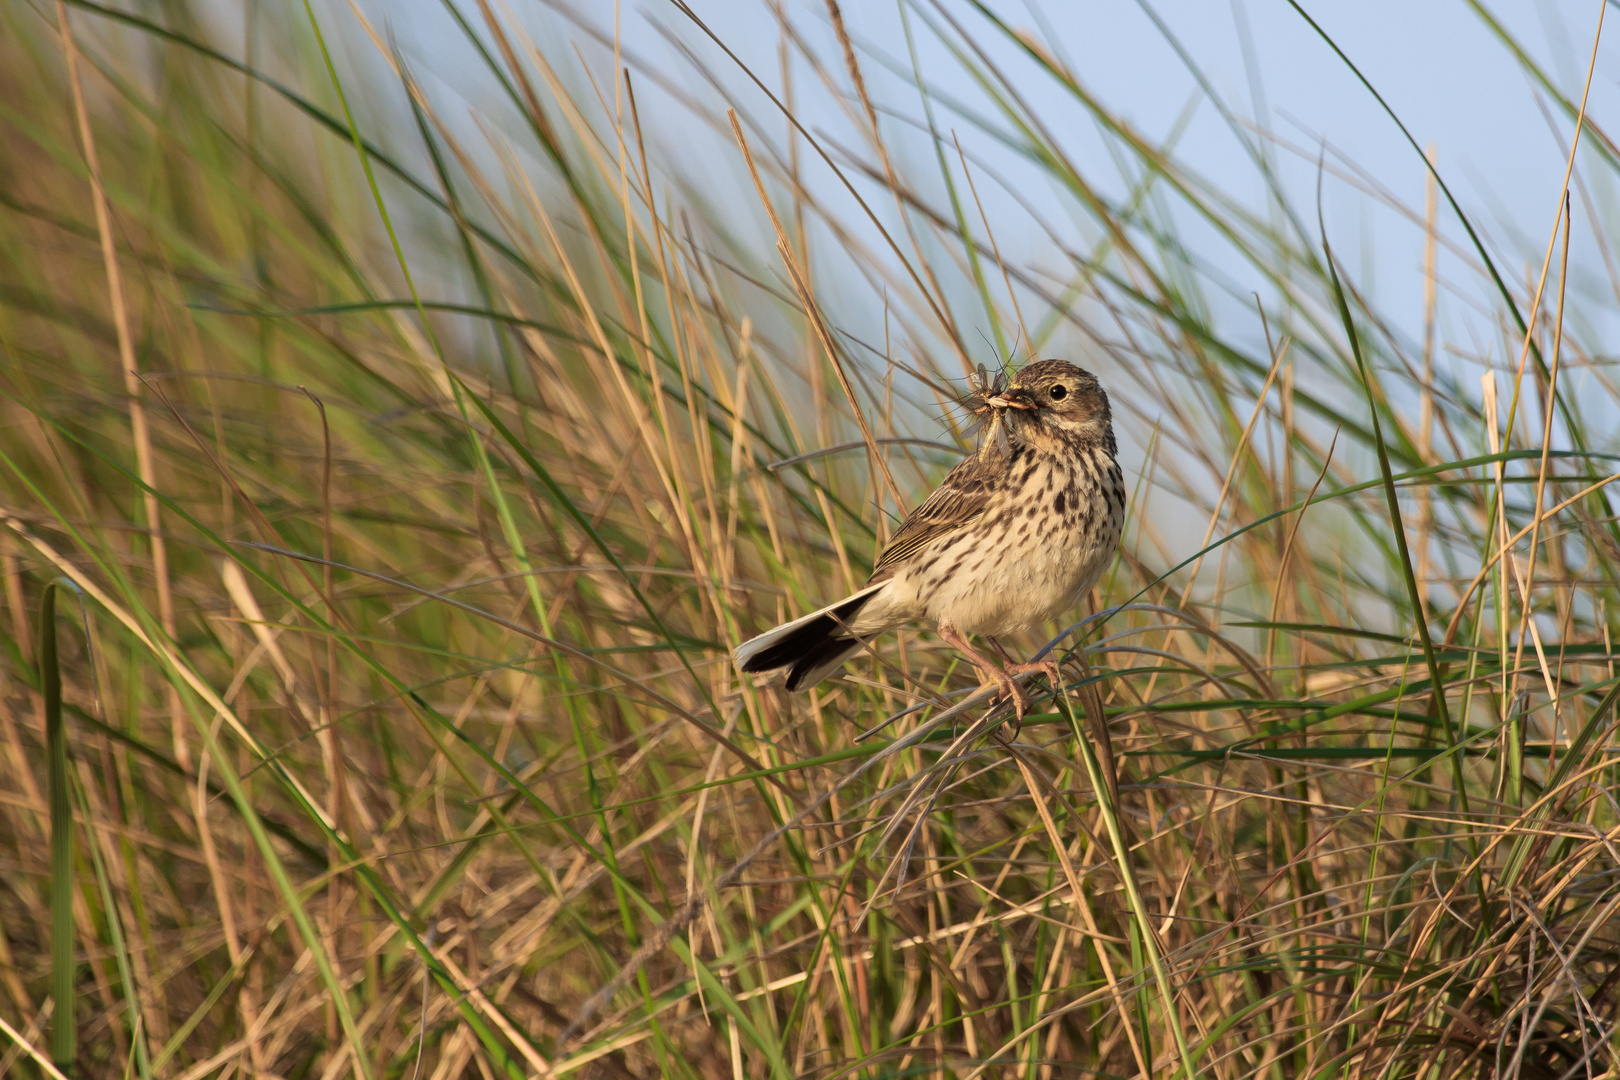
x=1052, y=401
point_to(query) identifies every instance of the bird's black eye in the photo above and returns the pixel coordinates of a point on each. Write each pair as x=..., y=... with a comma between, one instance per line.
x=1059, y=392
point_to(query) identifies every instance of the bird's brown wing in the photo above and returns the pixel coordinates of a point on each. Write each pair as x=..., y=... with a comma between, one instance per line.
x=956, y=503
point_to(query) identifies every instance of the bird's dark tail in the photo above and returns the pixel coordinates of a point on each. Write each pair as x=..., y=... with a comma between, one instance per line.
x=813, y=647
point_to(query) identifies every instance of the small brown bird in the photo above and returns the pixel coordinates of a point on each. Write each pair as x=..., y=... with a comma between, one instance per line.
x=1015, y=536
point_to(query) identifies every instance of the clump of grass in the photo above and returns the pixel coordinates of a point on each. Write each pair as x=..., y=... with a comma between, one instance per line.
x=418, y=481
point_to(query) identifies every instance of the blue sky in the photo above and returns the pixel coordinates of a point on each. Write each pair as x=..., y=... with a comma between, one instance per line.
x=1451, y=81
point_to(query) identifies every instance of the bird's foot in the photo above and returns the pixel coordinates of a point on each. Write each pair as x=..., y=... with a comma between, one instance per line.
x=1021, y=700
x=1008, y=692
x=1047, y=667
x=1011, y=693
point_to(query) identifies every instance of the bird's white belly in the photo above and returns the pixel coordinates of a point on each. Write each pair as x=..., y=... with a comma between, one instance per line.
x=1020, y=579
x=1021, y=565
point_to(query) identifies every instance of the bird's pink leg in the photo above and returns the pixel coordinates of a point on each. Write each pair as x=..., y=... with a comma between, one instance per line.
x=990, y=672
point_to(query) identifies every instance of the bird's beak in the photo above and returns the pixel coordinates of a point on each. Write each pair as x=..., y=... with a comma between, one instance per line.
x=1014, y=397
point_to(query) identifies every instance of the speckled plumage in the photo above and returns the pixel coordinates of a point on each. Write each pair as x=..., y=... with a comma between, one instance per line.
x=1013, y=537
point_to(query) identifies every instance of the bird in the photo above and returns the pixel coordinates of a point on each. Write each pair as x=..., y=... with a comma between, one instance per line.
x=1013, y=537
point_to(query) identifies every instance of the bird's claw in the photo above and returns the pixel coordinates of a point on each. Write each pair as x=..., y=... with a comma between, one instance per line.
x=1011, y=694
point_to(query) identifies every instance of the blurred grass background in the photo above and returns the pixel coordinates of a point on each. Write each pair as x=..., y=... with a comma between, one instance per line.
x=408, y=483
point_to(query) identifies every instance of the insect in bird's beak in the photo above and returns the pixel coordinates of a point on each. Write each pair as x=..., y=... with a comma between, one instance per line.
x=1013, y=397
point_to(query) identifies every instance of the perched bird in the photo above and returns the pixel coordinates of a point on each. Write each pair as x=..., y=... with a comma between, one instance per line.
x=1015, y=536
